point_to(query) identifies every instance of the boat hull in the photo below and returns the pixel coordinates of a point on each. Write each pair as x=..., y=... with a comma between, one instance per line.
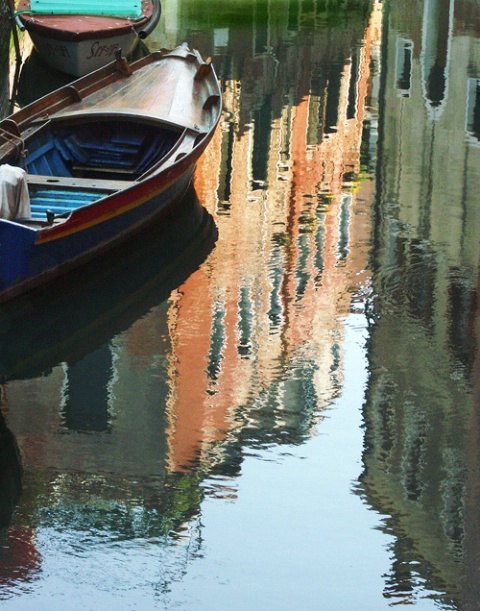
x=83, y=56
x=28, y=262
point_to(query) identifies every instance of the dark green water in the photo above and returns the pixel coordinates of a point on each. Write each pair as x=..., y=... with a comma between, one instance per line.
x=275, y=408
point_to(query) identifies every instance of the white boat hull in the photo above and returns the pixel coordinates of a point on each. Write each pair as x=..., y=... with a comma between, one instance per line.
x=82, y=57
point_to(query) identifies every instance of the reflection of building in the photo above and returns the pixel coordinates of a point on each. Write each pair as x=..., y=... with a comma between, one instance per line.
x=289, y=209
x=437, y=28
x=419, y=452
x=249, y=349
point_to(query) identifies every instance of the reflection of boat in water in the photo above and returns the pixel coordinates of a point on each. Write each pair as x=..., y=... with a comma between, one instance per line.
x=71, y=319
x=81, y=37
x=10, y=473
x=104, y=156
x=38, y=79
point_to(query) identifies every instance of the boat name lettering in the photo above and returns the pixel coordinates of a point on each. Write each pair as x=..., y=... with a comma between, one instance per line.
x=99, y=50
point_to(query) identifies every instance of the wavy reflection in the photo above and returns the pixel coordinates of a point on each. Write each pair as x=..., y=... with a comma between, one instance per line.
x=116, y=476
x=421, y=409
x=11, y=473
x=124, y=395
x=119, y=432
x=436, y=41
x=19, y=561
x=291, y=255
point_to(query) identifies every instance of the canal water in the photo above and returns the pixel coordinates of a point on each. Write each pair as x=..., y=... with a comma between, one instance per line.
x=272, y=402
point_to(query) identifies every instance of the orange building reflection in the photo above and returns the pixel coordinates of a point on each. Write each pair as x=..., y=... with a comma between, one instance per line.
x=301, y=180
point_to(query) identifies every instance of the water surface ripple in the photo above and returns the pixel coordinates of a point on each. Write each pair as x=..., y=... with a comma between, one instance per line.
x=271, y=402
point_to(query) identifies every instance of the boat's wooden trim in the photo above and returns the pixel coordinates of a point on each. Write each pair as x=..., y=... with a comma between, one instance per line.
x=94, y=114
x=58, y=29
x=9, y=126
x=11, y=141
x=183, y=147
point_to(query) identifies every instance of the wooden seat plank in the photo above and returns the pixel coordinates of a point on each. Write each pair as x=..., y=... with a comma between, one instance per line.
x=82, y=183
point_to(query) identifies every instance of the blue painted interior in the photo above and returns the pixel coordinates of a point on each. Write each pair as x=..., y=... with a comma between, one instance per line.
x=58, y=200
x=104, y=150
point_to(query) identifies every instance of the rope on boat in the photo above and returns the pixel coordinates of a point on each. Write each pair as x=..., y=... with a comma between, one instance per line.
x=17, y=141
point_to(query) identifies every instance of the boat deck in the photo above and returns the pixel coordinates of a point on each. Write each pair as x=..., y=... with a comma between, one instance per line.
x=85, y=142
x=159, y=91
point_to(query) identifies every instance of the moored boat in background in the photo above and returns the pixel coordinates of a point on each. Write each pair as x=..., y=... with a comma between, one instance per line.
x=82, y=36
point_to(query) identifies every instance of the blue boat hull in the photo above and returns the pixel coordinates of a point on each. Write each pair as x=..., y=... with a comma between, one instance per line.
x=24, y=263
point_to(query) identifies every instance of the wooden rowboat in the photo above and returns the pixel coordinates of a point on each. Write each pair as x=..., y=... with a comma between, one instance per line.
x=104, y=156
x=81, y=36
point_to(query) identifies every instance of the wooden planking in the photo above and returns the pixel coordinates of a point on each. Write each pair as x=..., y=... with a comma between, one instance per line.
x=108, y=186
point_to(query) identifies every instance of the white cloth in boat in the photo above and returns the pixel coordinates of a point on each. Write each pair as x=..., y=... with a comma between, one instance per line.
x=14, y=197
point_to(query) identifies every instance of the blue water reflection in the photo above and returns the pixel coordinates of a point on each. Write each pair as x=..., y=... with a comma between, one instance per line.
x=270, y=403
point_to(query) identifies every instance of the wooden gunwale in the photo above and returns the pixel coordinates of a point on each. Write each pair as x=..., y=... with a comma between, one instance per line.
x=89, y=30
x=102, y=116
x=39, y=116
x=65, y=97
x=32, y=120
